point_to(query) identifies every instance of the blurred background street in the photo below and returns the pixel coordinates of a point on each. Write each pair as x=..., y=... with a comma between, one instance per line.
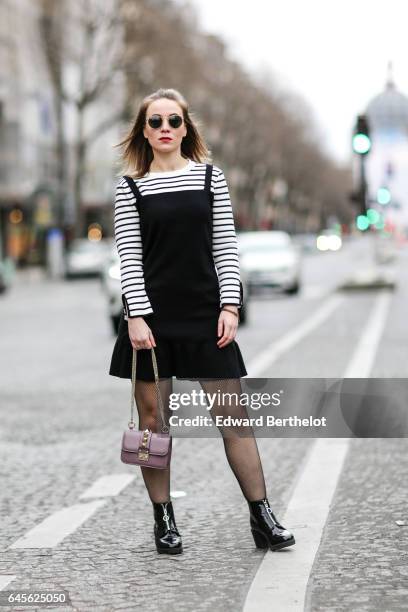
x=321, y=214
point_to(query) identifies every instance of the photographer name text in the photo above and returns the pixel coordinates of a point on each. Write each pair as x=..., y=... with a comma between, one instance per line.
x=260, y=421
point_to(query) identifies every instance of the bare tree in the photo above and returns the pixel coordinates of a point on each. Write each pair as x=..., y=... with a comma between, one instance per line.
x=83, y=40
x=256, y=131
x=50, y=26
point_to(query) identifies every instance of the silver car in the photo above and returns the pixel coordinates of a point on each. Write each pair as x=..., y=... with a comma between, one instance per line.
x=270, y=259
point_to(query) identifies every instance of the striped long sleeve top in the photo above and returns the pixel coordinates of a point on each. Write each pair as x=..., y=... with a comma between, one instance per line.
x=129, y=241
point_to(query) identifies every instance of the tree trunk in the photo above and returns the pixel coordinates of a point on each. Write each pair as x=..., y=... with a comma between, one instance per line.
x=80, y=229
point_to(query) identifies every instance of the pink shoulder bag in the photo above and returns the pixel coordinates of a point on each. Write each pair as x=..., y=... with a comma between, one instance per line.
x=146, y=447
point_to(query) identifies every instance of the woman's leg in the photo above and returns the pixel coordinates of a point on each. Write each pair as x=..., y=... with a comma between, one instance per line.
x=239, y=441
x=157, y=481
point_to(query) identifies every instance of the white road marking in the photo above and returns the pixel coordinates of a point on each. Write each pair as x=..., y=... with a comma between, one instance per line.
x=281, y=581
x=58, y=526
x=108, y=486
x=361, y=364
x=5, y=580
x=265, y=358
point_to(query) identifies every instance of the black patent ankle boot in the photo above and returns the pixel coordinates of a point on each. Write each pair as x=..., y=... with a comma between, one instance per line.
x=265, y=528
x=166, y=535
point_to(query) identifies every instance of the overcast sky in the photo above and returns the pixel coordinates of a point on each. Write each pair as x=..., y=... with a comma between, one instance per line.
x=333, y=53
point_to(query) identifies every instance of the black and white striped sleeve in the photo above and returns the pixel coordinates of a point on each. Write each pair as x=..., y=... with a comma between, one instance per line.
x=224, y=243
x=129, y=245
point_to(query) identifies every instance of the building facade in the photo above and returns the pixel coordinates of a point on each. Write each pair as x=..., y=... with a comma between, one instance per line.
x=387, y=162
x=29, y=204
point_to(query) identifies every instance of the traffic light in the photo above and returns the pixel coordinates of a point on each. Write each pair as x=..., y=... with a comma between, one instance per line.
x=361, y=143
x=373, y=216
x=361, y=136
x=383, y=196
x=362, y=222
x=359, y=197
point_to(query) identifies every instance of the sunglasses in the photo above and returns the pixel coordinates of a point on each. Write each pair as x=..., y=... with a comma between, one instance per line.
x=155, y=121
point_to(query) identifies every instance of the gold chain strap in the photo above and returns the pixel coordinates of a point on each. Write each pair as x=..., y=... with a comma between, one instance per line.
x=131, y=423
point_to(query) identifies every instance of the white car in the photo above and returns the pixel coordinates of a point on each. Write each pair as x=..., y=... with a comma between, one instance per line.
x=270, y=259
x=86, y=257
x=328, y=241
x=110, y=278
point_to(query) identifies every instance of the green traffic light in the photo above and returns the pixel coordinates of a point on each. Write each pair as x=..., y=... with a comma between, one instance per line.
x=383, y=196
x=372, y=215
x=362, y=222
x=361, y=144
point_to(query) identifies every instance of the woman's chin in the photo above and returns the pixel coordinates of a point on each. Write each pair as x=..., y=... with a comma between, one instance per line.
x=167, y=145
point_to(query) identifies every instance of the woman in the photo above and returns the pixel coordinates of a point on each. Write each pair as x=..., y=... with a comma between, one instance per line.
x=181, y=293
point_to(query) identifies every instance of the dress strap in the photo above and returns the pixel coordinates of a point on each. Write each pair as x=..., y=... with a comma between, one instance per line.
x=208, y=173
x=134, y=188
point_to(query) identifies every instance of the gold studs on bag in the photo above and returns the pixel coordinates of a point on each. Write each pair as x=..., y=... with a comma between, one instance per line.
x=143, y=454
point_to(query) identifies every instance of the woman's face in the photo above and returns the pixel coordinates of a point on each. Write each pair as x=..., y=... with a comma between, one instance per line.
x=164, y=139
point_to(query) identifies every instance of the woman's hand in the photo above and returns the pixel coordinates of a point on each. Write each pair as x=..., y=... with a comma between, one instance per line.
x=140, y=334
x=227, y=326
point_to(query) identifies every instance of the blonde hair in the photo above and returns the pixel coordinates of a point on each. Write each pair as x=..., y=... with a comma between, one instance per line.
x=137, y=153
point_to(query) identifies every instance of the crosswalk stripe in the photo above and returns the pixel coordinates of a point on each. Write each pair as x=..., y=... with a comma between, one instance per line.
x=52, y=530
x=5, y=579
x=108, y=485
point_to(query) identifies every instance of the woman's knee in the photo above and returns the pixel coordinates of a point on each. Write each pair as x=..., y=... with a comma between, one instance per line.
x=148, y=423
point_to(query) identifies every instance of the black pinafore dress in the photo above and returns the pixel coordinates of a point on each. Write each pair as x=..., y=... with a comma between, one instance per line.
x=182, y=285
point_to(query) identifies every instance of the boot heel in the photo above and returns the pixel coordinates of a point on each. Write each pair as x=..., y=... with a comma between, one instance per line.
x=259, y=539
x=266, y=530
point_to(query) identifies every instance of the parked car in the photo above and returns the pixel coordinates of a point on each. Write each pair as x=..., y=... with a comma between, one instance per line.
x=244, y=310
x=328, y=240
x=86, y=257
x=111, y=285
x=270, y=259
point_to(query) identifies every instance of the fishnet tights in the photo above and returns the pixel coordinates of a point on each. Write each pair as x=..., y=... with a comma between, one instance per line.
x=239, y=441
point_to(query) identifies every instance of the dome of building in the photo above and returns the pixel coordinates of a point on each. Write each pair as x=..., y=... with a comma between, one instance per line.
x=389, y=110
